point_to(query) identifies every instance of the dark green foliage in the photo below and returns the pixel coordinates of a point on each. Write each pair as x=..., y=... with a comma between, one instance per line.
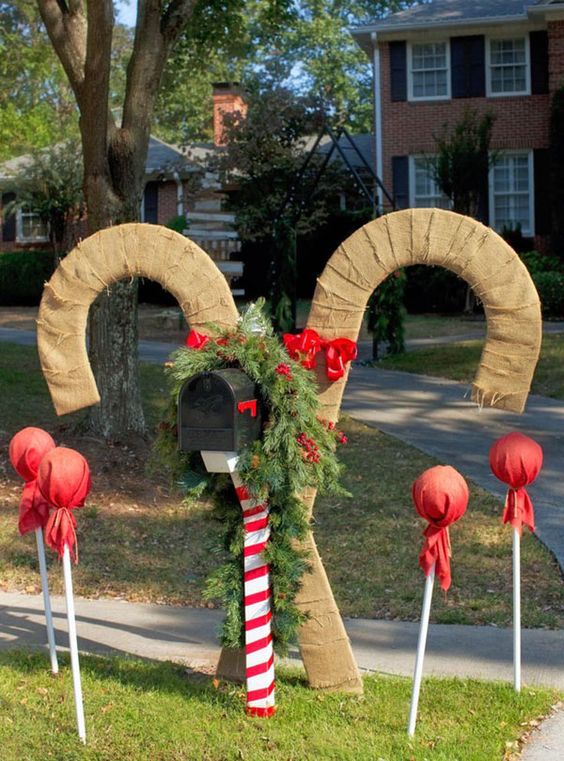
x=23, y=275
x=273, y=468
x=385, y=314
x=536, y=262
x=463, y=159
x=550, y=287
x=557, y=171
x=177, y=223
x=433, y=289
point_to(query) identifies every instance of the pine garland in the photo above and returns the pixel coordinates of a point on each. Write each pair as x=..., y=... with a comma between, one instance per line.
x=296, y=451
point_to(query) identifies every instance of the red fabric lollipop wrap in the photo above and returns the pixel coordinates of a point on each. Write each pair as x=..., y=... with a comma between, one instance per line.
x=27, y=449
x=440, y=495
x=64, y=481
x=516, y=460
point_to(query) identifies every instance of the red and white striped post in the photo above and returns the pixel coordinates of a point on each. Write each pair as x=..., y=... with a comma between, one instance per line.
x=259, y=652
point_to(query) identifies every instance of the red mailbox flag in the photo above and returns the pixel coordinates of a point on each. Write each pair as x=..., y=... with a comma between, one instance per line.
x=440, y=495
x=64, y=481
x=27, y=448
x=516, y=460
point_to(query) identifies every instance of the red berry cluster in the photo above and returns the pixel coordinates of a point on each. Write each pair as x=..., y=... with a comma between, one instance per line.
x=285, y=370
x=341, y=438
x=310, y=447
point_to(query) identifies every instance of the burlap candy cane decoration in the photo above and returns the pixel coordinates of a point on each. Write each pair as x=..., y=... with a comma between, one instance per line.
x=499, y=279
x=419, y=236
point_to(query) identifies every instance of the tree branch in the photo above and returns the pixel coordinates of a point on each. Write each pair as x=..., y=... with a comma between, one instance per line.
x=66, y=27
x=177, y=15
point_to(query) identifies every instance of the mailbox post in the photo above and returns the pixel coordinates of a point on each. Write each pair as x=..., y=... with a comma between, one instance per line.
x=218, y=414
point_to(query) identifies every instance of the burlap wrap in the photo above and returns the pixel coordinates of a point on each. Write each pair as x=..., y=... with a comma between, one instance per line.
x=113, y=254
x=360, y=264
x=501, y=281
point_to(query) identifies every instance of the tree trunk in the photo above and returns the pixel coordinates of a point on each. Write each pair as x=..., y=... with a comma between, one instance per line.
x=113, y=196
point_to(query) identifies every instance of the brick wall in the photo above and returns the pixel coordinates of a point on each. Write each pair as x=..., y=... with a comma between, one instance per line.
x=408, y=128
x=556, y=54
x=167, y=202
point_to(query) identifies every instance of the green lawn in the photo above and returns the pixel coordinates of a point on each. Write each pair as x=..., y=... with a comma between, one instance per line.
x=147, y=711
x=460, y=361
x=138, y=542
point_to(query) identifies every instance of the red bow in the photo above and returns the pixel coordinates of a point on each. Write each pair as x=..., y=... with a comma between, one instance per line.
x=304, y=346
x=27, y=449
x=64, y=481
x=196, y=340
x=519, y=510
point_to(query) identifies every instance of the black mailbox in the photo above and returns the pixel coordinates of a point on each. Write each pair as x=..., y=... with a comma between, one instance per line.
x=218, y=411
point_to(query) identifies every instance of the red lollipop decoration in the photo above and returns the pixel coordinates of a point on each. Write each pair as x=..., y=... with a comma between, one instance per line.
x=27, y=449
x=517, y=460
x=64, y=481
x=440, y=495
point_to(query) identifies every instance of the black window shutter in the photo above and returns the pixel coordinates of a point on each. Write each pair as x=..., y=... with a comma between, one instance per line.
x=400, y=179
x=468, y=67
x=539, y=62
x=398, y=70
x=483, y=200
x=151, y=203
x=8, y=223
x=541, y=191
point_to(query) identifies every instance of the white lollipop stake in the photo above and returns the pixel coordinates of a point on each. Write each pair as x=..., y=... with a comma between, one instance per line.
x=73, y=645
x=516, y=610
x=64, y=481
x=46, y=601
x=421, y=644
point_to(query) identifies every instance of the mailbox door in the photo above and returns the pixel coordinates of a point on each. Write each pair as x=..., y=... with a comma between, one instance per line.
x=205, y=414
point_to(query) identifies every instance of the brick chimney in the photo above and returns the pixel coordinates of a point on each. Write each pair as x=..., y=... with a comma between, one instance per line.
x=228, y=98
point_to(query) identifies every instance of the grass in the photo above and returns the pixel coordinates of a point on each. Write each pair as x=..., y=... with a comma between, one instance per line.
x=139, y=543
x=460, y=361
x=162, y=712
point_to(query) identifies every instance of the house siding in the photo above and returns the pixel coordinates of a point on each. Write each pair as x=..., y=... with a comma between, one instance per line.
x=555, y=55
x=522, y=122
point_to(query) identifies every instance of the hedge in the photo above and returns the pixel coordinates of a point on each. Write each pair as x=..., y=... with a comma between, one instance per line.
x=23, y=275
x=550, y=286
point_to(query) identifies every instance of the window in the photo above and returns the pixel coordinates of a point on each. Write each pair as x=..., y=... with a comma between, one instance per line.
x=429, y=77
x=508, y=66
x=511, y=192
x=30, y=227
x=424, y=190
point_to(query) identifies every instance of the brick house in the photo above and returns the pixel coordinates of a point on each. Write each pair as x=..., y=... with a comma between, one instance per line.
x=178, y=183
x=433, y=61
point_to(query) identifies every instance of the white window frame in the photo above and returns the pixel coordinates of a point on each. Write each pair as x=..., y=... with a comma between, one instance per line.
x=495, y=38
x=20, y=237
x=531, y=191
x=420, y=99
x=411, y=165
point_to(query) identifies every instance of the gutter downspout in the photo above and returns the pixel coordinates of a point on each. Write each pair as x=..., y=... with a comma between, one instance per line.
x=179, y=194
x=377, y=119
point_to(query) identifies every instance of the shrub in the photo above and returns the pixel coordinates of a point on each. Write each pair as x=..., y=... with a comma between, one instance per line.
x=434, y=289
x=550, y=286
x=537, y=263
x=23, y=275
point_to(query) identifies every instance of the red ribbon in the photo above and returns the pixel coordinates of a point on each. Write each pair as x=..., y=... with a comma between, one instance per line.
x=64, y=481
x=196, y=340
x=27, y=449
x=440, y=495
x=305, y=345
x=516, y=460
x=518, y=510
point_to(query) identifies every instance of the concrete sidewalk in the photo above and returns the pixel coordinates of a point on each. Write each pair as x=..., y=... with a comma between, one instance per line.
x=189, y=635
